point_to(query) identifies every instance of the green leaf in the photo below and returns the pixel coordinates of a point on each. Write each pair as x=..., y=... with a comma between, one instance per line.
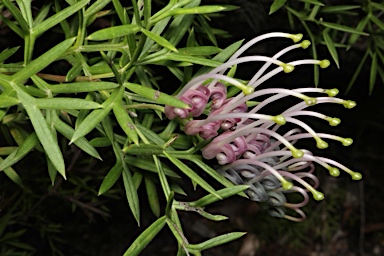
x=95, y=7
x=43, y=61
x=147, y=164
x=343, y=28
x=339, y=8
x=276, y=5
x=66, y=103
x=58, y=17
x=199, y=50
x=145, y=237
x=222, y=56
x=183, y=58
x=153, y=198
x=194, y=10
x=96, y=116
x=17, y=15
x=42, y=14
x=373, y=73
x=207, y=29
x=315, y=2
x=360, y=27
x=331, y=47
x=191, y=174
x=112, y=32
x=83, y=87
x=131, y=193
x=224, y=193
x=158, y=39
x=74, y=72
x=12, y=175
x=110, y=179
x=216, y=241
x=357, y=71
x=4, y=55
x=43, y=132
x=28, y=144
x=67, y=131
x=377, y=6
x=378, y=22
x=155, y=95
x=6, y=101
x=126, y=123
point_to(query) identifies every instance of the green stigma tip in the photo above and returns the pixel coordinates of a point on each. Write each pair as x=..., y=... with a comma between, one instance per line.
x=310, y=101
x=334, y=172
x=349, y=104
x=334, y=121
x=288, y=68
x=248, y=90
x=279, y=119
x=296, y=38
x=346, y=141
x=296, y=153
x=305, y=44
x=321, y=144
x=332, y=92
x=318, y=196
x=324, y=63
x=356, y=176
x=286, y=185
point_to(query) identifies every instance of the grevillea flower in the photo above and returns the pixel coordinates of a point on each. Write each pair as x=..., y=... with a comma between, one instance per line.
x=248, y=144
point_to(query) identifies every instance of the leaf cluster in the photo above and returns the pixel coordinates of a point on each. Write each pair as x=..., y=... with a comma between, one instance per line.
x=110, y=98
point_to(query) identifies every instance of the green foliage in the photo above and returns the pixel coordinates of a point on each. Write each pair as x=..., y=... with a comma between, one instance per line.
x=107, y=100
x=341, y=27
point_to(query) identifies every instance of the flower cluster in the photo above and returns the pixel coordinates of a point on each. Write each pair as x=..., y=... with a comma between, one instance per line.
x=249, y=145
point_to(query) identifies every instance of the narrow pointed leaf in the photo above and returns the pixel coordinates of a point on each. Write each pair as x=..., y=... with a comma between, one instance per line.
x=28, y=144
x=199, y=50
x=41, y=62
x=43, y=132
x=126, y=123
x=216, y=241
x=331, y=47
x=343, y=28
x=112, y=32
x=59, y=17
x=357, y=71
x=145, y=237
x=6, y=101
x=96, y=116
x=66, y=103
x=158, y=39
x=12, y=174
x=17, y=15
x=83, y=87
x=373, y=73
x=339, y=8
x=224, y=193
x=131, y=193
x=110, y=179
x=155, y=95
x=147, y=164
x=153, y=197
x=67, y=131
x=4, y=55
x=276, y=5
x=191, y=174
x=360, y=27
